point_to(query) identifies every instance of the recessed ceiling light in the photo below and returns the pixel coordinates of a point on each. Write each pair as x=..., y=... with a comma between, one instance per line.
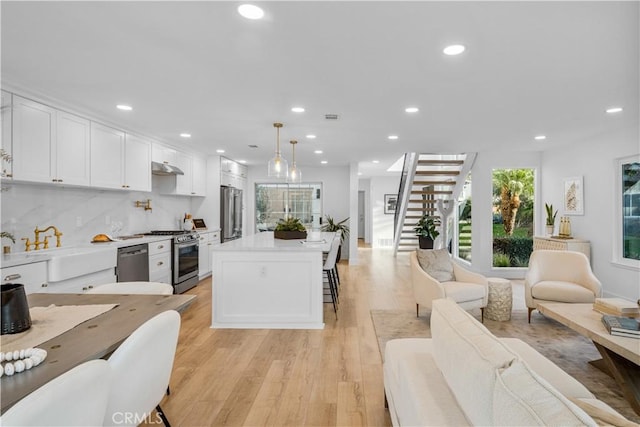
x=324, y=162
x=318, y=151
x=220, y=151
x=185, y=135
x=412, y=109
x=540, y=137
x=250, y=11
x=242, y=161
x=298, y=109
x=392, y=137
x=124, y=107
x=375, y=161
x=454, y=49
x=311, y=136
x=614, y=110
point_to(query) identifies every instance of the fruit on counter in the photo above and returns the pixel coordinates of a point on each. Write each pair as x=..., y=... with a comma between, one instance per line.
x=101, y=238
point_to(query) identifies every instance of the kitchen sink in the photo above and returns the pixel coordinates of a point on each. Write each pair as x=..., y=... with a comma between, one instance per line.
x=67, y=263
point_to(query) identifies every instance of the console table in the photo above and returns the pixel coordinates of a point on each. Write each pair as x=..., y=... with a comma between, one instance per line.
x=557, y=244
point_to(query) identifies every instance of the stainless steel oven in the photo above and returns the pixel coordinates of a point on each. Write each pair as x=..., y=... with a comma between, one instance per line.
x=184, y=258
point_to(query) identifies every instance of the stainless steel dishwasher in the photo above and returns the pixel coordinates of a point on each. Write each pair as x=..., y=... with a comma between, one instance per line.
x=133, y=264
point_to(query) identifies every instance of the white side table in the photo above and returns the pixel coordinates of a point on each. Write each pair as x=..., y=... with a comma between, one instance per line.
x=500, y=299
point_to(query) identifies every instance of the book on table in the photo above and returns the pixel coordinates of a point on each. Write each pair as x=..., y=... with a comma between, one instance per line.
x=621, y=324
x=616, y=307
x=625, y=334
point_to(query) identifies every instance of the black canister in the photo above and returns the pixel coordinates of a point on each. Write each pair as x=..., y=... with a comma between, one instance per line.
x=15, y=315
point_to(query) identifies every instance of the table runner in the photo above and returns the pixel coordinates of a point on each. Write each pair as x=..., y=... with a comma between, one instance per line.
x=49, y=322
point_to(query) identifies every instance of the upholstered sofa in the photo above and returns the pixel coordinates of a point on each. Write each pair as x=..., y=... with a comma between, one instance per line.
x=464, y=375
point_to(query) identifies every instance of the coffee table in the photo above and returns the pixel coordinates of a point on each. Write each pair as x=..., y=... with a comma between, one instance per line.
x=620, y=355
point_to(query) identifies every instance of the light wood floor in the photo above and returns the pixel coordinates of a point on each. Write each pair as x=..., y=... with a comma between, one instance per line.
x=291, y=377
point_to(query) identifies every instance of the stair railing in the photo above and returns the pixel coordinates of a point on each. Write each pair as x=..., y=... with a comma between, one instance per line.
x=404, y=193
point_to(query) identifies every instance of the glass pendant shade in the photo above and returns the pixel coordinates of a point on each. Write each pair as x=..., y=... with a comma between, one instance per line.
x=294, y=173
x=278, y=165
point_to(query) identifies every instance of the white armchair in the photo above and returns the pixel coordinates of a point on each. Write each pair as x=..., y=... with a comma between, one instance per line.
x=469, y=290
x=559, y=276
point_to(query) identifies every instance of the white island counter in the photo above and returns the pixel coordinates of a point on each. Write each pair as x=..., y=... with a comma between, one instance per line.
x=264, y=283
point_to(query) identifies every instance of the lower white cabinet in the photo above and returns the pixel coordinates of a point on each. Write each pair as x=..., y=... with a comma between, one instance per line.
x=80, y=284
x=32, y=276
x=160, y=261
x=208, y=239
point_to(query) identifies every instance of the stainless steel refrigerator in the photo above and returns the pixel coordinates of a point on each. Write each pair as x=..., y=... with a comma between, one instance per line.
x=230, y=213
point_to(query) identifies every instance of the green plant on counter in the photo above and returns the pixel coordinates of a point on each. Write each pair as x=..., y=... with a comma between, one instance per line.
x=336, y=227
x=551, y=215
x=290, y=224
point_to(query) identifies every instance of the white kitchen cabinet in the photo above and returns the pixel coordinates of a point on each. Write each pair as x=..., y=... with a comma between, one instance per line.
x=137, y=160
x=163, y=154
x=81, y=284
x=160, y=261
x=6, y=111
x=73, y=149
x=33, y=276
x=233, y=174
x=107, y=157
x=184, y=183
x=208, y=239
x=49, y=145
x=199, y=176
x=34, y=141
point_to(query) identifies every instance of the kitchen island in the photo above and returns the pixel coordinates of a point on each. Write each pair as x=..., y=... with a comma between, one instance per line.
x=260, y=282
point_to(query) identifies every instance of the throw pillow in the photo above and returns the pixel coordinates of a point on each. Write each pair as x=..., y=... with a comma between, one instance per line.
x=436, y=263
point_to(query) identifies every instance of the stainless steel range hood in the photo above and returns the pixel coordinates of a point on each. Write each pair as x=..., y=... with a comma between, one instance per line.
x=158, y=168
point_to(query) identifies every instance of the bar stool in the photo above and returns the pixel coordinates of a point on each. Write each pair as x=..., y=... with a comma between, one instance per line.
x=329, y=269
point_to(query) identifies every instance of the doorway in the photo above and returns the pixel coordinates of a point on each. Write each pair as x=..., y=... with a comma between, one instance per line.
x=361, y=215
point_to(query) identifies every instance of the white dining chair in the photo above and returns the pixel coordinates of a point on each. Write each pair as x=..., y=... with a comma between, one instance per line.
x=76, y=398
x=133, y=288
x=141, y=369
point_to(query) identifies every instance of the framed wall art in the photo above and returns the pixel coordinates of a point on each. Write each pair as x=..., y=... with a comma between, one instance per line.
x=573, y=196
x=390, y=203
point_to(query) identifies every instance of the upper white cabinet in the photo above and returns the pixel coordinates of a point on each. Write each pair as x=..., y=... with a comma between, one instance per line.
x=34, y=140
x=199, y=174
x=232, y=173
x=162, y=154
x=192, y=183
x=137, y=160
x=6, y=111
x=73, y=149
x=107, y=157
x=49, y=145
x=184, y=183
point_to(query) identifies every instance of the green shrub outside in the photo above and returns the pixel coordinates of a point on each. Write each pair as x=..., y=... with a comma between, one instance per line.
x=517, y=249
x=501, y=260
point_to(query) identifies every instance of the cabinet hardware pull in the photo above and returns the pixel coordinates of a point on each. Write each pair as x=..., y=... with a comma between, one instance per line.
x=124, y=186
x=84, y=288
x=12, y=277
x=9, y=175
x=60, y=180
x=44, y=285
x=160, y=262
x=90, y=286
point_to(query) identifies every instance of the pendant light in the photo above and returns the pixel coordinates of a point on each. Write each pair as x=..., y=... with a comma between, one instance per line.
x=278, y=166
x=294, y=173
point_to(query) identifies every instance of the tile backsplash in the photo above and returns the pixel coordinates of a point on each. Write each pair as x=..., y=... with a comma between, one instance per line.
x=81, y=213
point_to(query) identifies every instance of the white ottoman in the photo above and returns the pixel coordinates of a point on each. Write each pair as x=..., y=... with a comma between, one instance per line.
x=500, y=299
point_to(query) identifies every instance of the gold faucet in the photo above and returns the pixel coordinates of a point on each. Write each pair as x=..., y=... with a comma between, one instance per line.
x=56, y=233
x=27, y=244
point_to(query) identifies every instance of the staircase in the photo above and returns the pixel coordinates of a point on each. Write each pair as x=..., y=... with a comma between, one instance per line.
x=430, y=184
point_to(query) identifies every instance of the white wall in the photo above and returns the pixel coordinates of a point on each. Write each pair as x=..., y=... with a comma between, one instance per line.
x=381, y=223
x=594, y=160
x=81, y=213
x=364, y=185
x=335, y=198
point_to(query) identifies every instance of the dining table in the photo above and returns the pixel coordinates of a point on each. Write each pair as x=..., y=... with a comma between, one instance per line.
x=95, y=338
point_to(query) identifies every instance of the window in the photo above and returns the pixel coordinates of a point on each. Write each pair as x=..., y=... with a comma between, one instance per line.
x=513, y=208
x=276, y=201
x=627, y=237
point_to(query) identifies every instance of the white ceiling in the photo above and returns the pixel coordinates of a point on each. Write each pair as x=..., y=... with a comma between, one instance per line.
x=530, y=68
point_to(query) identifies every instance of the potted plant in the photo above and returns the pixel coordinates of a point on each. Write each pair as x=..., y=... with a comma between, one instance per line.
x=551, y=218
x=290, y=228
x=337, y=227
x=426, y=230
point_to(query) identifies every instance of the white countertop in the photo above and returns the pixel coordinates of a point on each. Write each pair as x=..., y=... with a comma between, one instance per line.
x=266, y=242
